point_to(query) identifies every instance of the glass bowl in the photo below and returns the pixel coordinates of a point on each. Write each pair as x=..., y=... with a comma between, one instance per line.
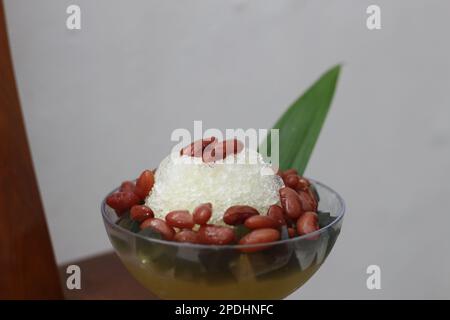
x=174, y=270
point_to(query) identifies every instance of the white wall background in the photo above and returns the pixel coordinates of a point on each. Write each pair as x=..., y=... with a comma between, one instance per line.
x=100, y=105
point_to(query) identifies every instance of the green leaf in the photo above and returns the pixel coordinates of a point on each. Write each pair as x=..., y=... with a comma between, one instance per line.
x=325, y=218
x=240, y=231
x=300, y=125
x=126, y=222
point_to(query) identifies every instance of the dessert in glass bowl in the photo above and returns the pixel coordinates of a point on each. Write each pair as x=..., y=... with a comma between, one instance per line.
x=213, y=221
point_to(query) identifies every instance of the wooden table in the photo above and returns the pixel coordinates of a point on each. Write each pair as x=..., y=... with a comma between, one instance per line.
x=104, y=277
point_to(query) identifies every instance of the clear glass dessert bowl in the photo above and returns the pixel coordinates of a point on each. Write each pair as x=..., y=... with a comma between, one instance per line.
x=174, y=270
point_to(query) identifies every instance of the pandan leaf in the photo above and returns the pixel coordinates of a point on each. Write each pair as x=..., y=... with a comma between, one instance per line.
x=325, y=218
x=300, y=125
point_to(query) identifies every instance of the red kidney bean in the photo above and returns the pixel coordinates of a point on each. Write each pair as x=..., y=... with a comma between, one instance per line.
x=291, y=203
x=144, y=184
x=291, y=181
x=303, y=184
x=210, y=151
x=232, y=146
x=127, y=186
x=217, y=235
x=291, y=232
x=313, y=196
x=219, y=151
x=308, y=200
x=289, y=172
x=159, y=226
x=195, y=149
x=259, y=236
x=202, y=213
x=261, y=222
x=276, y=213
x=186, y=236
x=289, y=221
x=180, y=219
x=307, y=223
x=238, y=214
x=122, y=201
x=140, y=213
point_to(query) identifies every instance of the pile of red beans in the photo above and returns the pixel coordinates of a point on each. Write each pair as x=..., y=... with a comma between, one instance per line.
x=297, y=214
